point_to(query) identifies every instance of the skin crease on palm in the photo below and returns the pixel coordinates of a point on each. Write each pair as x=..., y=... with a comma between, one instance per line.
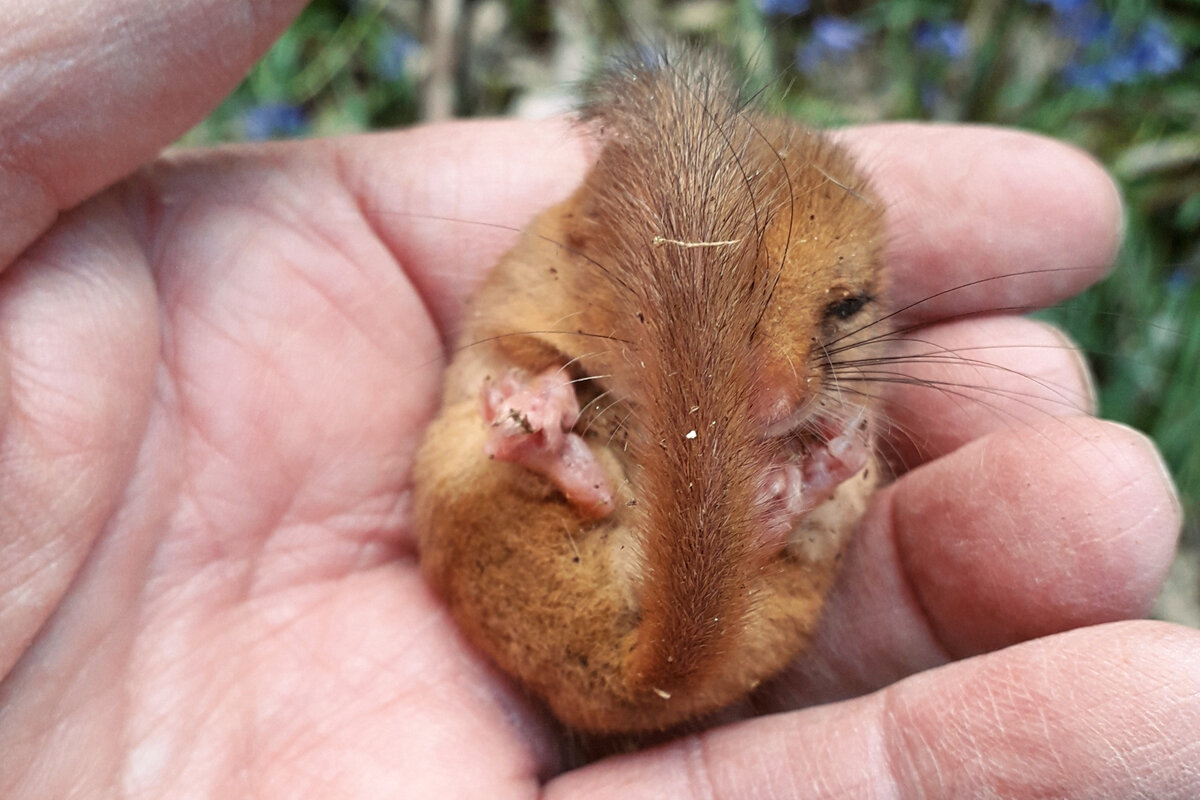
x=214, y=373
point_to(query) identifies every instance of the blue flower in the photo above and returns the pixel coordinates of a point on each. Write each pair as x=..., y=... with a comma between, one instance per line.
x=838, y=35
x=1086, y=26
x=272, y=119
x=782, y=8
x=833, y=38
x=1179, y=280
x=1154, y=50
x=1061, y=6
x=394, y=53
x=947, y=39
x=1113, y=59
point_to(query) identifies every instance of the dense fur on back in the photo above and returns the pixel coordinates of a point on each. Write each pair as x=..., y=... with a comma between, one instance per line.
x=689, y=286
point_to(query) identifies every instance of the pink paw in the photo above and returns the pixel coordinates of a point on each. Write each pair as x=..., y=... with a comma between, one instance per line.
x=794, y=488
x=531, y=419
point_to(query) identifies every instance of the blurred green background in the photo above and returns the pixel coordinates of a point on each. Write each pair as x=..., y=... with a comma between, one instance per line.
x=1119, y=79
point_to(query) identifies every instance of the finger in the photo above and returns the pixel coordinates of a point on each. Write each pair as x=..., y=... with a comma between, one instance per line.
x=1105, y=712
x=1023, y=533
x=448, y=200
x=987, y=218
x=946, y=384
x=963, y=204
x=129, y=76
x=78, y=345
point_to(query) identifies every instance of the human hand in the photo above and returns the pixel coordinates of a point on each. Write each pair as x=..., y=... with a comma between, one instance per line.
x=215, y=374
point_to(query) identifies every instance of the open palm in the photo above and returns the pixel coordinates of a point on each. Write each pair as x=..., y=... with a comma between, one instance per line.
x=215, y=374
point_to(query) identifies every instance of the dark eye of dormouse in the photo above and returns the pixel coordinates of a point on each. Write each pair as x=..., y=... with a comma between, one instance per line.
x=847, y=307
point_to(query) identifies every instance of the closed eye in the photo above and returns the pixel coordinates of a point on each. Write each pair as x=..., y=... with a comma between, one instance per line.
x=847, y=307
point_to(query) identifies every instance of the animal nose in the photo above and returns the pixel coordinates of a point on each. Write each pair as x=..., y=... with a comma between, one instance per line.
x=781, y=405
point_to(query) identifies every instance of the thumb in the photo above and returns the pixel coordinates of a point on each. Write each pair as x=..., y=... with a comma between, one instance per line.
x=88, y=91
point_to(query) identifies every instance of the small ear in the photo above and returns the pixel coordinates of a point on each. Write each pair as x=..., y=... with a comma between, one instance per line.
x=579, y=224
x=532, y=353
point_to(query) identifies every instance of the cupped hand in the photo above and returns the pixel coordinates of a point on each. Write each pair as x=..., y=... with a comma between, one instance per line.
x=214, y=375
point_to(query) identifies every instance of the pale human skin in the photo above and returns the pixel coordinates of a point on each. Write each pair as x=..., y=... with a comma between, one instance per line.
x=215, y=374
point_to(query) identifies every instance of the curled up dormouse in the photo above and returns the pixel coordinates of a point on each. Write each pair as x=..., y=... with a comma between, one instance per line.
x=652, y=449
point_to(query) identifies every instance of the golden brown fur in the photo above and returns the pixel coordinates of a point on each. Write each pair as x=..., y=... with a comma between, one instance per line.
x=691, y=286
